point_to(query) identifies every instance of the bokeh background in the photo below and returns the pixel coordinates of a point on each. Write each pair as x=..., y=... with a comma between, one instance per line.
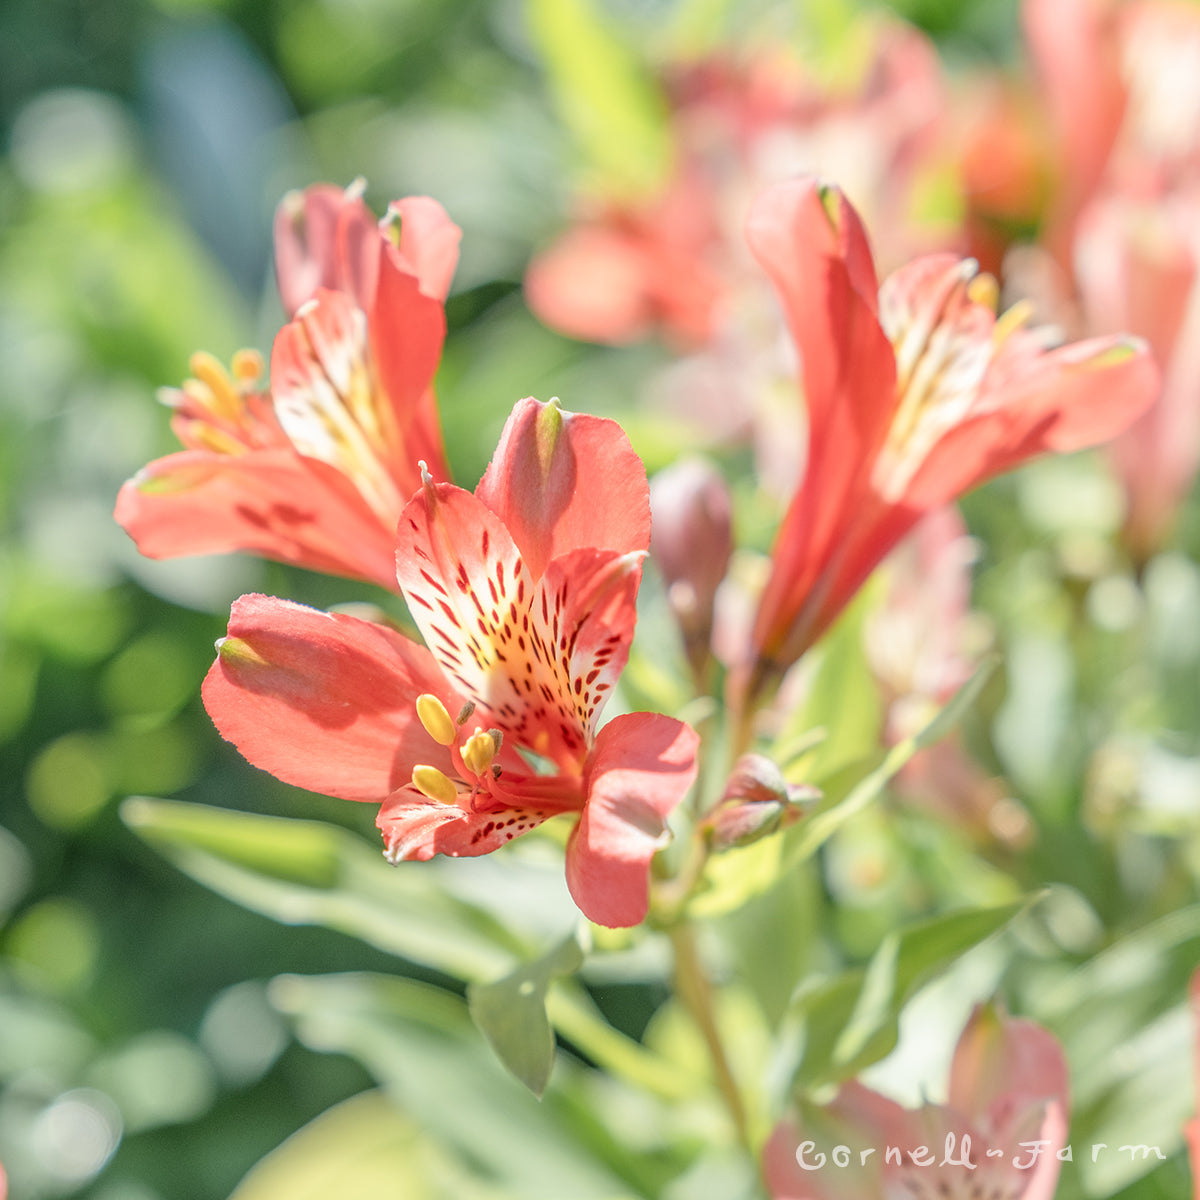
x=144, y=148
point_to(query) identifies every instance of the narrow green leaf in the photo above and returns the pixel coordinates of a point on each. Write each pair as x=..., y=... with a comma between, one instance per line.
x=958, y=704
x=363, y=1148
x=310, y=873
x=299, y=852
x=605, y=97
x=843, y=701
x=733, y=878
x=840, y=806
x=851, y=1019
x=419, y=1043
x=511, y=1013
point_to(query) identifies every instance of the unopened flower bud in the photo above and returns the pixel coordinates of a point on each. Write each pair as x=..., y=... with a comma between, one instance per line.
x=756, y=803
x=691, y=542
x=739, y=823
x=756, y=777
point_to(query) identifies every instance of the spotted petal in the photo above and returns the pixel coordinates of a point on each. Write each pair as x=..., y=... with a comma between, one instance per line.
x=538, y=656
x=414, y=827
x=268, y=502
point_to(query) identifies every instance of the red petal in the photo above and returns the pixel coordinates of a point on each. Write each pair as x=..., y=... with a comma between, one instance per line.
x=323, y=701
x=466, y=588
x=1078, y=396
x=1074, y=45
x=547, y=474
x=595, y=591
x=428, y=243
x=359, y=243
x=1004, y=1068
x=812, y=244
x=305, y=243
x=592, y=284
x=407, y=329
x=641, y=767
x=416, y=828
x=269, y=502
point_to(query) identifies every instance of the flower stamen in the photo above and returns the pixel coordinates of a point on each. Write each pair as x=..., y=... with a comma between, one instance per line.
x=436, y=720
x=432, y=783
x=481, y=749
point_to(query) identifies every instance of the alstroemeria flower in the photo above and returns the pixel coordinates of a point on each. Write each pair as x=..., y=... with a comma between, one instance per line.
x=922, y=644
x=998, y=1133
x=525, y=594
x=316, y=469
x=1121, y=83
x=914, y=393
x=1136, y=269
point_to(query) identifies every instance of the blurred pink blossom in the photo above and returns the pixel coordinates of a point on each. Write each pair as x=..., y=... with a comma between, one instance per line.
x=1008, y=1093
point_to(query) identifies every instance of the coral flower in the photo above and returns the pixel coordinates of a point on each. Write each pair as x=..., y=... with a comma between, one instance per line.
x=915, y=392
x=998, y=1134
x=672, y=263
x=525, y=594
x=315, y=470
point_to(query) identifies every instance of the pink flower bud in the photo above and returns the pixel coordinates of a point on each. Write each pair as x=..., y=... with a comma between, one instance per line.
x=691, y=543
x=756, y=803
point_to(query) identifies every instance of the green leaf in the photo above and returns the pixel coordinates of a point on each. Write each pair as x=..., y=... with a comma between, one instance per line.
x=843, y=700
x=365, y=1148
x=419, y=1043
x=842, y=803
x=310, y=873
x=1126, y=1029
x=850, y=1020
x=604, y=96
x=511, y=1013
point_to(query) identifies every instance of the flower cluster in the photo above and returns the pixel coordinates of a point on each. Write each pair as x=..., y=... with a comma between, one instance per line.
x=524, y=591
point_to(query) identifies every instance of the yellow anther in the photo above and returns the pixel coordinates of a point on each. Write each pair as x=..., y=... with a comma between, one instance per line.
x=480, y=750
x=224, y=400
x=248, y=366
x=1009, y=322
x=984, y=289
x=429, y=781
x=211, y=438
x=436, y=719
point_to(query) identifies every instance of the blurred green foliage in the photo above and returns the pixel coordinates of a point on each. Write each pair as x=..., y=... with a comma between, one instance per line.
x=158, y=1040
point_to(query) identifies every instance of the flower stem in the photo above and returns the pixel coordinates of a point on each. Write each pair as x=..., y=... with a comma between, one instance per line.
x=695, y=991
x=574, y=1015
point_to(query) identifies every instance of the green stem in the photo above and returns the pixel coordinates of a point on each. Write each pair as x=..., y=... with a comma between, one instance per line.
x=694, y=989
x=574, y=1015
